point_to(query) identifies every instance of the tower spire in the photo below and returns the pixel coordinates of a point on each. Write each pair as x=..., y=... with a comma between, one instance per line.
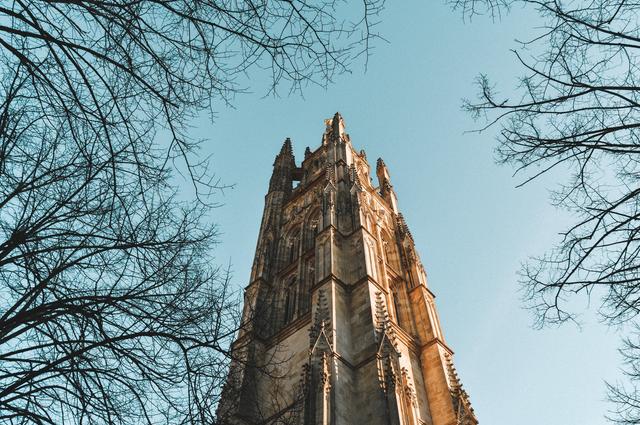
x=336, y=124
x=283, y=168
x=385, y=187
x=286, y=149
x=343, y=297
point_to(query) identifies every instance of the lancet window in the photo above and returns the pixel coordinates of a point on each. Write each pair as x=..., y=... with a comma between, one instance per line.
x=311, y=230
x=400, y=302
x=390, y=252
x=290, y=299
x=266, y=256
x=292, y=247
x=395, y=300
x=307, y=281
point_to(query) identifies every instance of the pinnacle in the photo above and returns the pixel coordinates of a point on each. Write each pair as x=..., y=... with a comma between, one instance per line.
x=286, y=147
x=335, y=123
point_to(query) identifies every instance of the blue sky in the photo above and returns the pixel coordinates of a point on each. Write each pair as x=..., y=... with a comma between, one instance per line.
x=473, y=228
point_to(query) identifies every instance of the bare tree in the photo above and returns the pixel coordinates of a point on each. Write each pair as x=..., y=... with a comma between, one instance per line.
x=579, y=112
x=111, y=308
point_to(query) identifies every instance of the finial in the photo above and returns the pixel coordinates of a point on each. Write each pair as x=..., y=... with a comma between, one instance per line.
x=307, y=152
x=380, y=163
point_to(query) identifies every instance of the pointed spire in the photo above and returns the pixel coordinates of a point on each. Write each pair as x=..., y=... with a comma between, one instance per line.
x=384, y=178
x=283, y=168
x=384, y=185
x=335, y=124
x=286, y=149
x=285, y=155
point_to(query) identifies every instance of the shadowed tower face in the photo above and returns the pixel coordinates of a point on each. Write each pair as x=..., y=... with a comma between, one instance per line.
x=339, y=326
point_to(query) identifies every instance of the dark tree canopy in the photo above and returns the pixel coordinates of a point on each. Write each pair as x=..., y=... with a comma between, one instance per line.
x=112, y=309
x=578, y=110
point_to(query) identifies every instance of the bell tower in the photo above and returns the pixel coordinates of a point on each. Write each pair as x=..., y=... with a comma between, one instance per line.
x=339, y=325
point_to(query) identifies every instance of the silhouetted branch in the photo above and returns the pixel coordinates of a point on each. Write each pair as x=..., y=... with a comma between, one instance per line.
x=579, y=110
x=112, y=309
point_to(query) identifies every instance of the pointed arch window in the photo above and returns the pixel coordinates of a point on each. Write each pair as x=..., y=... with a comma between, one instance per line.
x=395, y=299
x=307, y=281
x=290, y=300
x=292, y=246
x=311, y=230
x=391, y=256
x=266, y=255
x=400, y=302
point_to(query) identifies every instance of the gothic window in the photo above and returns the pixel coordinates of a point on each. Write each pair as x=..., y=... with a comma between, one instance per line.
x=327, y=259
x=286, y=307
x=266, y=256
x=312, y=274
x=311, y=230
x=399, y=300
x=290, y=303
x=396, y=305
x=293, y=247
x=391, y=252
x=308, y=280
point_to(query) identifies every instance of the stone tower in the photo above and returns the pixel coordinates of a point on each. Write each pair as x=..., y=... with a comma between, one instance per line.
x=339, y=326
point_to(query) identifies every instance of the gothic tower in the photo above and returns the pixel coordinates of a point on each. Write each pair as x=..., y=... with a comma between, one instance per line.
x=339, y=326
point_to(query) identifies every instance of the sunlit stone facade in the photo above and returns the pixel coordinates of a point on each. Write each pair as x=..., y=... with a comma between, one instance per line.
x=339, y=326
